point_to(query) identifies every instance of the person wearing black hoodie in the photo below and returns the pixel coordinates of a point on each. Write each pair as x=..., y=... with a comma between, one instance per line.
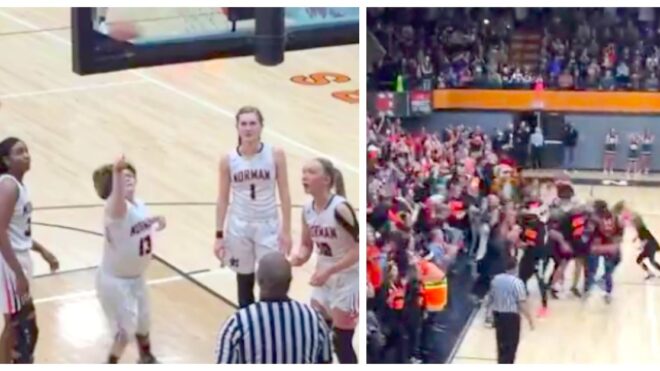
x=570, y=140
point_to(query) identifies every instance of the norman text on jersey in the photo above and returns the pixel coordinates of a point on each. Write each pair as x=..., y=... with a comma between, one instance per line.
x=251, y=174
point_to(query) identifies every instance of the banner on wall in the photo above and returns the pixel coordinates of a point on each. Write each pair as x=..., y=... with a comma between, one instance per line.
x=388, y=104
x=420, y=103
x=406, y=104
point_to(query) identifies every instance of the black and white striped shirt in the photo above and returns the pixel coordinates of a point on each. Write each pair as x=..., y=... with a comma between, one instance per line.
x=506, y=291
x=283, y=331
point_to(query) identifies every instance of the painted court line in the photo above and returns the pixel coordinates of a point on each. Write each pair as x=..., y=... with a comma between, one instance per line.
x=479, y=359
x=224, y=112
x=71, y=89
x=92, y=293
x=32, y=26
x=191, y=97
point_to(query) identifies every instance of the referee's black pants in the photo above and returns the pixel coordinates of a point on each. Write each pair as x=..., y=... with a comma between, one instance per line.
x=507, y=335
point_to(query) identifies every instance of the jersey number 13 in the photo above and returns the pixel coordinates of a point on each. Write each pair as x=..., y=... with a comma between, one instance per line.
x=28, y=232
x=324, y=249
x=145, y=246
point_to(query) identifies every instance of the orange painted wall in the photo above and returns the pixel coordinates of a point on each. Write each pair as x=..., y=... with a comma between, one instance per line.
x=570, y=101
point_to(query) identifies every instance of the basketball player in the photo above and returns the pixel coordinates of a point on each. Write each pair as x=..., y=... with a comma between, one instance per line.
x=648, y=246
x=252, y=173
x=20, y=332
x=120, y=284
x=611, y=142
x=535, y=237
x=575, y=228
x=606, y=243
x=563, y=252
x=330, y=223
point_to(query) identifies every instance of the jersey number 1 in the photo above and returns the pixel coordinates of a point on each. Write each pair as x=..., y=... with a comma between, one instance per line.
x=145, y=246
x=253, y=192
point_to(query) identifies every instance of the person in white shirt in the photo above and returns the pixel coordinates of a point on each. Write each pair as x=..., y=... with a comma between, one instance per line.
x=120, y=284
x=536, y=140
x=251, y=173
x=329, y=222
x=20, y=332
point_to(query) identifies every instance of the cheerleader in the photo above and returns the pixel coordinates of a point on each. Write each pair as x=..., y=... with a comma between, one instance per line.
x=647, y=147
x=633, y=155
x=611, y=142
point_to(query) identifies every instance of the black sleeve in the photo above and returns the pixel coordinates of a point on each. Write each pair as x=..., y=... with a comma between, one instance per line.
x=644, y=234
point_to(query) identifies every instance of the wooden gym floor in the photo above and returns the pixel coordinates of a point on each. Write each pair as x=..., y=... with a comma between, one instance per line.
x=173, y=123
x=626, y=331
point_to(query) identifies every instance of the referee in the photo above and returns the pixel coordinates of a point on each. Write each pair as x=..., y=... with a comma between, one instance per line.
x=276, y=329
x=508, y=298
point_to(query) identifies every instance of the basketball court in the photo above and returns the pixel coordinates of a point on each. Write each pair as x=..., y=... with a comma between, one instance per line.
x=173, y=122
x=625, y=331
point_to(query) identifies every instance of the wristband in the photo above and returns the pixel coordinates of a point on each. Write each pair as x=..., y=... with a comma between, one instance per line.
x=219, y=235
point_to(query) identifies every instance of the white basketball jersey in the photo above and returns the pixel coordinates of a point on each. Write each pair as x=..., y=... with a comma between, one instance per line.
x=127, y=249
x=331, y=239
x=253, y=184
x=20, y=229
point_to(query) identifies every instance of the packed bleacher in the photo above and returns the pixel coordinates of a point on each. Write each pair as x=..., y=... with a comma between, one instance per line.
x=515, y=48
x=434, y=203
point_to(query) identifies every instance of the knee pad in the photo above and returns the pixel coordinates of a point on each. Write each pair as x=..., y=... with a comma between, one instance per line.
x=26, y=333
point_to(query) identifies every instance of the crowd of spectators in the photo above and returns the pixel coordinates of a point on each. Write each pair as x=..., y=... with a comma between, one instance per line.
x=437, y=205
x=579, y=48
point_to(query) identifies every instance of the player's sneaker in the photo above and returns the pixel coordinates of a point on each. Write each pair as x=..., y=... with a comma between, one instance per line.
x=542, y=312
x=148, y=359
x=576, y=292
x=608, y=298
x=649, y=276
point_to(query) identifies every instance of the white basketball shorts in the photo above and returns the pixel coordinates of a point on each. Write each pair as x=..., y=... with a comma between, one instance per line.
x=248, y=241
x=341, y=291
x=10, y=302
x=125, y=302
